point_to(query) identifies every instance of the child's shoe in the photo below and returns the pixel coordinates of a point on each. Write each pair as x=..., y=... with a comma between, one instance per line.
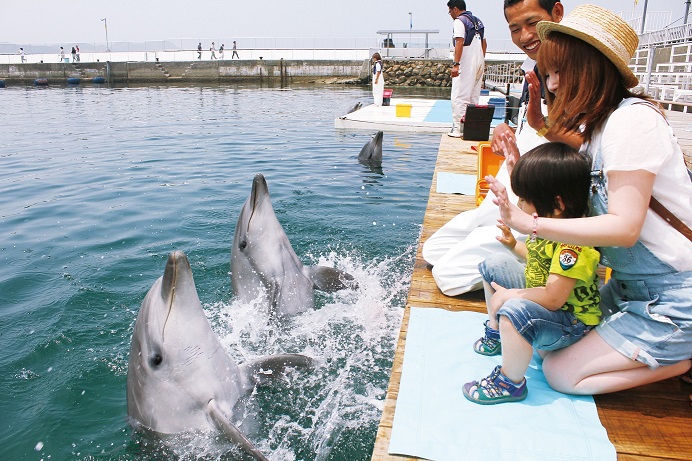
x=496, y=388
x=490, y=343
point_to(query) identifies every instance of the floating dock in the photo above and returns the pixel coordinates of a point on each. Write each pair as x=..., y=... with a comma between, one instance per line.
x=648, y=423
x=426, y=116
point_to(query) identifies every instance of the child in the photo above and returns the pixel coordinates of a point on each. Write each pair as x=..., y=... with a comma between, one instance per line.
x=557, y=303
x=377, y=79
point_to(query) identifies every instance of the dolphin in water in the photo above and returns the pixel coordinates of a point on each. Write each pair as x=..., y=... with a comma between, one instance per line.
x=179, y=376
x=371, y=153
x=356, y=107
x=263, y=262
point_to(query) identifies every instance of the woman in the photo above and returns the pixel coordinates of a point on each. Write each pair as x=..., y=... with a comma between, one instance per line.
x=648, y=336
x=377, y=79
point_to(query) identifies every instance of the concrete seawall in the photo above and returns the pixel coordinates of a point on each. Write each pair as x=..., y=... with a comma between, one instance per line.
x=211, y=71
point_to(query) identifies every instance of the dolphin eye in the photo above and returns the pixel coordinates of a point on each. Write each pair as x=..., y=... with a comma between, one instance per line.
x=242, y=245
x=156, y=360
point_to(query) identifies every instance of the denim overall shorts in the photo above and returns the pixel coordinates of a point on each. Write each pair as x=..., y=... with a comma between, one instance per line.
x=647, y=304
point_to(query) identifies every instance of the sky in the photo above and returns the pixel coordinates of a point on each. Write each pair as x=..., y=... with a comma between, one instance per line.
x=79, y=21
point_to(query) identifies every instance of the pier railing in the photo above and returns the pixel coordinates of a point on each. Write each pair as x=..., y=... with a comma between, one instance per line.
x=667, y=36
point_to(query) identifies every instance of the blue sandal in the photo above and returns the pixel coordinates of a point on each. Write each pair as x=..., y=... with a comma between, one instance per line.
x=496, y=388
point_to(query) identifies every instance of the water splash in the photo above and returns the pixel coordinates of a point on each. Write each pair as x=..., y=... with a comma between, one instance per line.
x=334, y=409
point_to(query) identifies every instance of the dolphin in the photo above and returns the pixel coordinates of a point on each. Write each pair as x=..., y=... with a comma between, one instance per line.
x=371, y=153
x=179, y=376
x=263, y=262
x=356, y=107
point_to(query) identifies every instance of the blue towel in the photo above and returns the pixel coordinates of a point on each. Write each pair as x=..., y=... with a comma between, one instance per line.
x=453, y=183
x=433, y=420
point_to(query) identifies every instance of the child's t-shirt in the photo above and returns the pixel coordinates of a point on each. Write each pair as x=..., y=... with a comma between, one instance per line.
x=546, y=257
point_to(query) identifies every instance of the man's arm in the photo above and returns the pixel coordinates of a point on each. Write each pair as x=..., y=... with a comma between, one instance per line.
x=484, y=45
x=458, y=50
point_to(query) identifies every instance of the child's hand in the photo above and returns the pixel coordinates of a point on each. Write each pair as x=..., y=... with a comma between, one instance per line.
x=507, y=239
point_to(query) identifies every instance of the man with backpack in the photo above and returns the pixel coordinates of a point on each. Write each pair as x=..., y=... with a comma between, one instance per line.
x=469, y=61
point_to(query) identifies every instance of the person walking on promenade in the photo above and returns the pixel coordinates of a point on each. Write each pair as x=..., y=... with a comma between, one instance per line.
x=235, y=51
x=199, y=50
x=77, y=55
x=456, y=249
x=638, y=175
x=62, y=54
x=469, y=61
x=221, y=51
x=74, y=55
x=550, y=302
x=213, y=50
x=21, y=55
x=377, y=79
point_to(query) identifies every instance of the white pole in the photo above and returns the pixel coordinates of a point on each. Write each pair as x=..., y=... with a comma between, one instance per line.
x=105, y=25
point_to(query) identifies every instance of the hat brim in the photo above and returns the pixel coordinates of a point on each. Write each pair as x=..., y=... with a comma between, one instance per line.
x=543, y=28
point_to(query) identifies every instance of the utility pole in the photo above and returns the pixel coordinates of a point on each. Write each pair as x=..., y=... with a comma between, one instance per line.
x=646, y=3
x=687, y=11
x=105, y=26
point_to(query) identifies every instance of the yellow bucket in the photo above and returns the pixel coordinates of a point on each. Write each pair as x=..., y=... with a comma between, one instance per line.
x=403, y=110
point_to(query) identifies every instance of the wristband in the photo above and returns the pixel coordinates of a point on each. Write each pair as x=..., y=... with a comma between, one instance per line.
x=454, y=64
x=541, y=132
x=534, y=233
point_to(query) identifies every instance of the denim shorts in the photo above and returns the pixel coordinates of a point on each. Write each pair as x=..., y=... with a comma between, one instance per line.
x=651, y=320
x=542, y=328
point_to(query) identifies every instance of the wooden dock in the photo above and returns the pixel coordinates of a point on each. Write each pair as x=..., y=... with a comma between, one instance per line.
x=652, y=422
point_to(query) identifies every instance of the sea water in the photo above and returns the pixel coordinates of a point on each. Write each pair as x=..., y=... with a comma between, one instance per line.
x=98, y=185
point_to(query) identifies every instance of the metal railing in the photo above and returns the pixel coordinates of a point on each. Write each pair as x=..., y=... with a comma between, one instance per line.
x=666, y=36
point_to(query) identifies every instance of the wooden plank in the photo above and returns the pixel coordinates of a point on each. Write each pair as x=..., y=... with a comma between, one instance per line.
x=644, y=424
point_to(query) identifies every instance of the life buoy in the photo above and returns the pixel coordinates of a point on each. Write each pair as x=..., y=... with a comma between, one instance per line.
x=41, y=82
x=73, y=81
x=98, y=80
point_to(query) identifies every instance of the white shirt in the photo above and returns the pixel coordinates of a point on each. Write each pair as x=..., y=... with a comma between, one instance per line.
x=636, y=137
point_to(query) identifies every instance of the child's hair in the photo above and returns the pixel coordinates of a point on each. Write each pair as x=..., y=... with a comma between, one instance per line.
x=553, y=170
x=377, y=56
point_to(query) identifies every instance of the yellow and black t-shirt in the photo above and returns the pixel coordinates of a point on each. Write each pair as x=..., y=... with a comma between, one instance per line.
x=546, y=257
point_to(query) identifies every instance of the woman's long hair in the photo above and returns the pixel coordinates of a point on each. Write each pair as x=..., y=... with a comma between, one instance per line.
x=590, y=86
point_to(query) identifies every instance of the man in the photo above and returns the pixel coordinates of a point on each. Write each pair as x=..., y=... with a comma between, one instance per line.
x=213, y=50
x=469, y=61
x=456, y=248
x=199, y=50
x=235, y=51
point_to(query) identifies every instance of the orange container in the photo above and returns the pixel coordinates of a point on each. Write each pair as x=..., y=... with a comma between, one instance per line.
x=488, y=164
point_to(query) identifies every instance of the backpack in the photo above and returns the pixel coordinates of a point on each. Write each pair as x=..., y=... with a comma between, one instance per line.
x=473, y=26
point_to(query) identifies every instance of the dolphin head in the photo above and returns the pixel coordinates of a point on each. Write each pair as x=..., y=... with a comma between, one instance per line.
x=177, y=365
x=263, y=262
x=371, y=152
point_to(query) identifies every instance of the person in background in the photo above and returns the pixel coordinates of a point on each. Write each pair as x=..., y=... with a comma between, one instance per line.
x=221, y=51
x=556, y=302
x=235, y=51
x=469, y=61
x=74, y=55
x=377, y=79
x=456, y=249
x=199, y=50
x=638, y=175
x=21, y=54
x=77, y=54
x=62, y=54
x=213, y=50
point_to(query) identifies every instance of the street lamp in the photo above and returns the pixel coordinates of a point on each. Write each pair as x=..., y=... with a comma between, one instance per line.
x=105, y=26
x=410, y=20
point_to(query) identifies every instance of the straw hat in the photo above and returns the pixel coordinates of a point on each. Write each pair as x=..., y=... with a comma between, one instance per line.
x=602, y=29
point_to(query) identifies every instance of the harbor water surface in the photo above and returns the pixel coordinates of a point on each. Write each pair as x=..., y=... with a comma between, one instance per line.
x=98, y=185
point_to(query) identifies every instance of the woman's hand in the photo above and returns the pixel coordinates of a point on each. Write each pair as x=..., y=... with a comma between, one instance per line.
x=510, y=214
x=534, y=114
